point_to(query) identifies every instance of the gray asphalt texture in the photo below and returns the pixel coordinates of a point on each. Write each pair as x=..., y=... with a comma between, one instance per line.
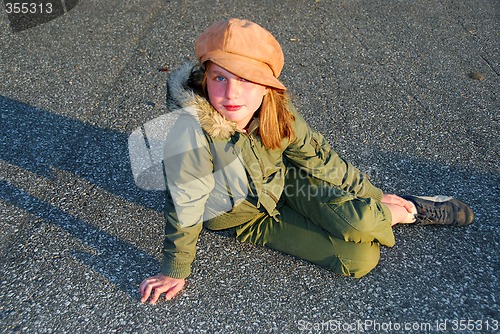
x=389, y=83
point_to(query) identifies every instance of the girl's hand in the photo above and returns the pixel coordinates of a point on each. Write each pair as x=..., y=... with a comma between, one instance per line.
x=396, y=200
x=159, y=284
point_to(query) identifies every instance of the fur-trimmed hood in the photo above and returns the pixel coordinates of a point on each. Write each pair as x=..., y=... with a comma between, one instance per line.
x=184, y=95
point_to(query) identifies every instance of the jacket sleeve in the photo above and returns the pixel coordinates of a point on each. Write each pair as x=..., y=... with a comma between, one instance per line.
x=188, y=171
x=312, y=152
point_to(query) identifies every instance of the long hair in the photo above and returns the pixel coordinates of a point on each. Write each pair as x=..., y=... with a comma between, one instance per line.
x=276, y=120
x=275, y=117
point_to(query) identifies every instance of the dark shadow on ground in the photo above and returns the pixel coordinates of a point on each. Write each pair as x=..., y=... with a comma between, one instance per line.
x=37, y=140
x=120, y=262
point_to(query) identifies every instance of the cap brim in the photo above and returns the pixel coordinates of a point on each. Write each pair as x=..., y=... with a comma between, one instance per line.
x=245, y=68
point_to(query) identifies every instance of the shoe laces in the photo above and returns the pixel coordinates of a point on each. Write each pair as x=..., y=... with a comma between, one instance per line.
x=433, y=213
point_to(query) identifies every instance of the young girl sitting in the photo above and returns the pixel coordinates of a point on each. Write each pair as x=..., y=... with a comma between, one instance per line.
x=240, y=157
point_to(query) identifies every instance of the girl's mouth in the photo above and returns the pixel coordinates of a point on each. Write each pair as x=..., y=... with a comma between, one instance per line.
x=232, y=107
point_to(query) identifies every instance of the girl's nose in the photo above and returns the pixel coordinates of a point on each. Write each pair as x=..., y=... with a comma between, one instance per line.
x=232, y=89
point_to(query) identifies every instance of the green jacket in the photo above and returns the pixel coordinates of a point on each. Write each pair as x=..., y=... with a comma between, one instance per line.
x=212, y=168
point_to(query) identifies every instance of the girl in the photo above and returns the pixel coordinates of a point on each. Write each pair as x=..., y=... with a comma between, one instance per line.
x=241, y=157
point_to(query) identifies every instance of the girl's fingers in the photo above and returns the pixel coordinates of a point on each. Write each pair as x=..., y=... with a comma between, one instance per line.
x=154, y=286
x=397, y=200
x=147, y=286
x=157, y=288
x=145, y=283
x=146, y=292
x=158, y=291
x=408, y=206
x=173, y=291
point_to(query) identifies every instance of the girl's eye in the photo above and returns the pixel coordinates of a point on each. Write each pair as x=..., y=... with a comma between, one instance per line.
x=219, y=78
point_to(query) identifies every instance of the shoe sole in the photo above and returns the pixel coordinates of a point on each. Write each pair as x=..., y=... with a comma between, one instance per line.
x=438, y=198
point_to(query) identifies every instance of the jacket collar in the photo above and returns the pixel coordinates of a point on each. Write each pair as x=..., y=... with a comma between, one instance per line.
x=183, y=98
x=254, y=125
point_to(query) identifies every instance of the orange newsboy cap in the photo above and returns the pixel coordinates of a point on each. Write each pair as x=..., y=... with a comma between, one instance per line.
x=243, y=48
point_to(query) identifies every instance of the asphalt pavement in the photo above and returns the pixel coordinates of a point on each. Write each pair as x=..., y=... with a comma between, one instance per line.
x=406, y=90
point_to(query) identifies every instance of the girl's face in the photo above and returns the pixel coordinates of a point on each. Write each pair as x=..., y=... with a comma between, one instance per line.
x=233, y=97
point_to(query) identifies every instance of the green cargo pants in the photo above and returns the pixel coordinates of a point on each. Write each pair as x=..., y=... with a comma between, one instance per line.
x=324, y=225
